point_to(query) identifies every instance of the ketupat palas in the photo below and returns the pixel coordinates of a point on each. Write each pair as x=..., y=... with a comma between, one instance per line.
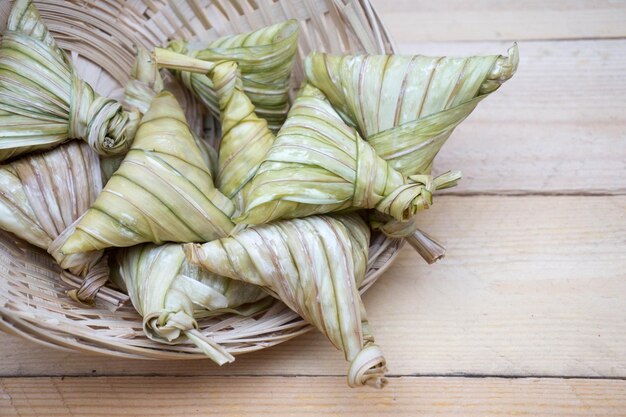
x=42, y=195
x=246, y=138
x=162, y=192
x=314, y=265
x=409, y=109
x=211, y=293
x=170, y=294
x=43, y=103
x=318, y=164
x=412, y=103
x=265, y=58
x=144, y=85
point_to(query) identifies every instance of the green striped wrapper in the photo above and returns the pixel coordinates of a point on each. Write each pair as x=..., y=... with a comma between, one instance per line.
x=265, y=58
x=314, y=265
x=43, y=103
x=162, y=192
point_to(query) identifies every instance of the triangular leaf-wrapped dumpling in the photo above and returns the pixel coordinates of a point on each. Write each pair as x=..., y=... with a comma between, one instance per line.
x=314, y=266
x=318, y=164
x=143, y=86
x=41, y=197
x=265, y=58
x=246, y=138
x=170, y=294
x=423, y=98
x=409, y=109
x=163, y=190
x=43, y=103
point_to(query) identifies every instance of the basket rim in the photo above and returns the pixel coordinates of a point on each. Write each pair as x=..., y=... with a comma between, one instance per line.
x=51, y=334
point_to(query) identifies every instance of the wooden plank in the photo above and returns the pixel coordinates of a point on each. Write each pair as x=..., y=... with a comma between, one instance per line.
x=558, y=126
x=531, y=286
x=458, y=20
x=299, y=396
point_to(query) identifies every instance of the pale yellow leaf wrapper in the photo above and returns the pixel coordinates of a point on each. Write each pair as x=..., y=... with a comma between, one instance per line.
x=145, y=82
x=42, y=195
x=314, y=265
x=41, y=198
x=144, y=85
x=265, y=58
x=406, y=107
x=162, y=192
x=170, y=294
x=246, y=138
x=43, y=103
x=318, y=164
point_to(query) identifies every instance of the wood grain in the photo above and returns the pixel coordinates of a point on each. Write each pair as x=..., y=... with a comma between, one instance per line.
x=531, y=286
x=300, y=396
x=458, y=20
x=558, y=126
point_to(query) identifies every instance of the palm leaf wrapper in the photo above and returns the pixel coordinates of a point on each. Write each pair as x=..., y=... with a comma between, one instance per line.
x=276, y=214
x=265, y=58
x=41, y=198
x=246, y=137
x=314, y=265
x=43, y=103
x=408, y=109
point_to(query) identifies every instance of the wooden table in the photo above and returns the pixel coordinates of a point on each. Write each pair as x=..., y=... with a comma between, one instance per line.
x=527, y=313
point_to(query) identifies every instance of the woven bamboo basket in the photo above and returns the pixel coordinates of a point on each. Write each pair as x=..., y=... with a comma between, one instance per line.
x=101, y=37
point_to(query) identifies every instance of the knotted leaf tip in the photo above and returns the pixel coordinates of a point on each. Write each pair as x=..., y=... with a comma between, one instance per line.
x=100, y=121
x=416, y=195
x=368, y=368
x=171, y=327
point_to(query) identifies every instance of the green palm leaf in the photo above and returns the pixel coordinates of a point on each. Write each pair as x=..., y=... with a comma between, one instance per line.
x=170, y=294
x=43, y=103
x=42, y=195
x=406, y=107
x=162, y=192
x=265, y=58
x=314, y=266
x=318, y=164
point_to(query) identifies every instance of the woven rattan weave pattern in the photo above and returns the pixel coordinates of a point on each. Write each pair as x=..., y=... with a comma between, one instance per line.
x=101, y=37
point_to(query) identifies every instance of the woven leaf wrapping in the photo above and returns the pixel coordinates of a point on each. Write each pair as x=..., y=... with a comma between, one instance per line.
x=406, y=107
x=144, y=85
x=188, y=285
x=318, y=164
x=163, y=191
x=265, y=58
x=41, y=197
x=246, y=137
x=170, y=294
x=43, y=102
x=314, y=266
x=145, y=82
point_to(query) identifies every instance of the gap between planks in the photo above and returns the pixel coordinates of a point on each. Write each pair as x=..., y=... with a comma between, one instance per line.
x=556, y=128
x=454, y=20
x=530, y=286
x=329, y=375
x=277, y=396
